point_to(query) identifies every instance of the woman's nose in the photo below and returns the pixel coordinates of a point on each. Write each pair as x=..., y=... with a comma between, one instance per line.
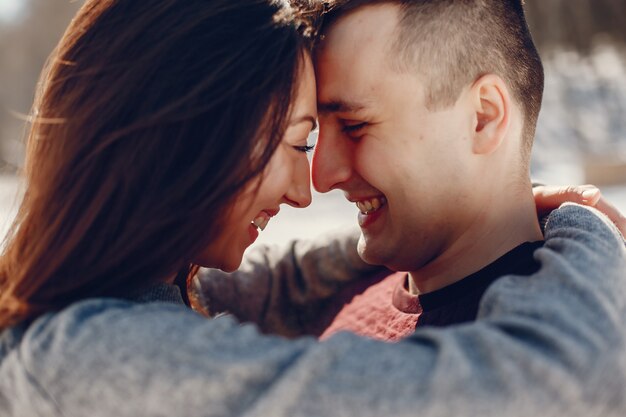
x=299, y=193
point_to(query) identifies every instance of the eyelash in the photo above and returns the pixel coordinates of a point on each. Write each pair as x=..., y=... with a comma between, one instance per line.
x=305, y=149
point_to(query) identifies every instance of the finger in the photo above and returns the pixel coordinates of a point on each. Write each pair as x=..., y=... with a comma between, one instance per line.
x=612, y=213
x=548, y=198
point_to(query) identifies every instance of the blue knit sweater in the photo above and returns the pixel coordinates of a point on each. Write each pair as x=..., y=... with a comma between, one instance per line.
x=552, y=344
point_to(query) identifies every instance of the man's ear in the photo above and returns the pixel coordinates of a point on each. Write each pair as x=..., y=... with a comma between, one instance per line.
x=491, y=102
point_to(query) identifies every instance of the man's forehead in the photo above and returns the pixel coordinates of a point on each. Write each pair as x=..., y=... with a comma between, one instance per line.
x=352, y=57
x=342, y=84
x=363, y=26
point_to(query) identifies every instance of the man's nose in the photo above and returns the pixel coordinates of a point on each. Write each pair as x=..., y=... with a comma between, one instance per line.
x=332, y=161
x=299, y=192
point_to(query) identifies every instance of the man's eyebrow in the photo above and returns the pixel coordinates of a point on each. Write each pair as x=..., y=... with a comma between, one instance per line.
x=339, y=106
x=307, y=118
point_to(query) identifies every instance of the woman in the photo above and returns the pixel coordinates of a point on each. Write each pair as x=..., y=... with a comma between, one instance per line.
x=138, y=135
x=164, y=134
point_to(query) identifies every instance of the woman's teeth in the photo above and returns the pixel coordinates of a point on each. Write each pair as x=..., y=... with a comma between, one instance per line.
x=261, y=222
x=371, y=205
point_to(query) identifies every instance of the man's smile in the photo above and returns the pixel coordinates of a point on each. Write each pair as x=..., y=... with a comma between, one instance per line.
x=370, y=205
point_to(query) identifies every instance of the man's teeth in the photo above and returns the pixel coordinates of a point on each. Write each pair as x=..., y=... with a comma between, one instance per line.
x=261, y=222
x=371, y=205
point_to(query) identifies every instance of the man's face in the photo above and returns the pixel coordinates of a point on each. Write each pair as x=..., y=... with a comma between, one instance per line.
x=380, y=144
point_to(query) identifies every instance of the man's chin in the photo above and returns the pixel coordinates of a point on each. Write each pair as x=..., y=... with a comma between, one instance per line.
x=368, y=253
x=385, y=253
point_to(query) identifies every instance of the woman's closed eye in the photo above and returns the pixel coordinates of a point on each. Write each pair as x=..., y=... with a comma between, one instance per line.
x=305, y=148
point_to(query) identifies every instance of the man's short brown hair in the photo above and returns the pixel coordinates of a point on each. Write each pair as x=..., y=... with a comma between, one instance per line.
x=451, y=43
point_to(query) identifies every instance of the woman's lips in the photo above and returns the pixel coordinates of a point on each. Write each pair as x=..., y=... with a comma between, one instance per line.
x=253, y=232
x=261, y=220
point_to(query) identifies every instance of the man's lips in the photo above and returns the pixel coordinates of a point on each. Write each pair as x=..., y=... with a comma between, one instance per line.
x=368, y=219
x=370, y=208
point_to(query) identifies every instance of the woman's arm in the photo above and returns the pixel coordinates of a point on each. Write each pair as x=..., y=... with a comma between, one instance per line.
x=281, y=288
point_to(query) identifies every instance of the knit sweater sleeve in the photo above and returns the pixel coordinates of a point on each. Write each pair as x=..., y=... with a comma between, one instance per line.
x=550, y=344
x=282, y=288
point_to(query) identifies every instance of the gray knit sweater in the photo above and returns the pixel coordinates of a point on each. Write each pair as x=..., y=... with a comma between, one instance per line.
x=551, y=344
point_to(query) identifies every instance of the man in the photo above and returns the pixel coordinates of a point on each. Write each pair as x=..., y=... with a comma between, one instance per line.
x=427, y=114
x=437, y=162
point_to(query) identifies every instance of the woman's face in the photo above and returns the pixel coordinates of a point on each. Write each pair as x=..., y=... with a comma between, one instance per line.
x=285, y=180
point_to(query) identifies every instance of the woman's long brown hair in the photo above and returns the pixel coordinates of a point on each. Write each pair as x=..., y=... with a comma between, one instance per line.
x=150, y=117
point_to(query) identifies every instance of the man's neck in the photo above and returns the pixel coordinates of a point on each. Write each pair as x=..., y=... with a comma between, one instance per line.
x=507, y=222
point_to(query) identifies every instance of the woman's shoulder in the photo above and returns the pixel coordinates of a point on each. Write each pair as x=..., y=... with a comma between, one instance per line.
x=91, y=331
x=100, y=351
x=102, y=327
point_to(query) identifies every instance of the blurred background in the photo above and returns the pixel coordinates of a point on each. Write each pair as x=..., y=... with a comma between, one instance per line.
x=581, y=135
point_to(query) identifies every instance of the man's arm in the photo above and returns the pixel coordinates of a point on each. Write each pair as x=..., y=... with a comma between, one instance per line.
x=551, y=344
x=282, y=288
